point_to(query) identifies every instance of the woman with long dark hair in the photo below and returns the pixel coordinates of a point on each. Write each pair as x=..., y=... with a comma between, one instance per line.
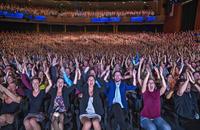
x=35, y=96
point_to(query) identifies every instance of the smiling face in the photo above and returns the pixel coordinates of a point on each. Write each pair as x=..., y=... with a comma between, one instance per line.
x=10, y=79
x=85, y=63
x=67, y=70
x=198, y=81
x=60, y=83
x=12, y=87
x=117, y=77
x=29, y=66
x=35, y=84
x=151, y=85
x=169, y=78
x=41, y=75
x=91, y=81
x=196, y=76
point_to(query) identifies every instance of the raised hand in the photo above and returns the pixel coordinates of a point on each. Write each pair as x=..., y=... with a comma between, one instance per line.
x=191, y=77
x=187, y=76
x=61, y=61
x=141, y=60
x=25, y=60
x=46, y=70
x=134, y=73
x=108, y=68
x=148, y=70
x=24, y=68
x=161, y=71
x=55, y=61
x=156, y=69
x=76, y=62
x=15, y=57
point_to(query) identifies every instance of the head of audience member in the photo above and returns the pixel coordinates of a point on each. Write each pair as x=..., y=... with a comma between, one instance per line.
x=41, y=75
x=12, y=87
x=10, y=79
x=92, y=72
x=117, y=76
x=151, y=85
x=67, y=70
x=91, y=81
x=197, y=77
x=36, y=84
x=60, y=83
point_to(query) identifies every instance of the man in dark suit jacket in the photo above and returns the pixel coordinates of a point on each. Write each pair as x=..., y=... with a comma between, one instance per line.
x=116, y=95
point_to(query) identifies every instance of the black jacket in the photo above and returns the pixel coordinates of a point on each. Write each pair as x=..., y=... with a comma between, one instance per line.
x=186, y=105
x=97, y=101
x=65, y=94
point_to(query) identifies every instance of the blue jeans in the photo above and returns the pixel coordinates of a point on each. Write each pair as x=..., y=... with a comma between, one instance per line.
x=154, y=124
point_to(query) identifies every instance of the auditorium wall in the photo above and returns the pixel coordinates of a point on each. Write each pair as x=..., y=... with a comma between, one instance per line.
x=197, y=22
x=173, y=23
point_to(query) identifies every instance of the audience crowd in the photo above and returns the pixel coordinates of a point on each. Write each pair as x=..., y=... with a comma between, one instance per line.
x=97, y=79
x=75, y=13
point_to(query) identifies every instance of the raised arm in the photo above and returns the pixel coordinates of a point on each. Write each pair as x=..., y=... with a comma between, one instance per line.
x=53, y=69
x=157, y=72
x=165, y=59
x=19, y=67
x=134, y=77
x=139, y=72
x=76, y=76
x=112, y=62
x=181, y=69
x=182, y=88
x=191, y=68
x=106, y=76
x=5, y=61
x=15, y=98
x=49, y=57
x=46, y=72
x=101, y=63
x=173, y=71
x=144, y=86
x=33, y=72
x=26, y=83
x=164, y=85
x=126, y=61
x=106, y=70
x=77, y=80
x=192, y=80
x=65, y=76
x=123, y=61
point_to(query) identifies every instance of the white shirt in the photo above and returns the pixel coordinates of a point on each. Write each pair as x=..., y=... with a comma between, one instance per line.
x=90, y=107
x=117, y=98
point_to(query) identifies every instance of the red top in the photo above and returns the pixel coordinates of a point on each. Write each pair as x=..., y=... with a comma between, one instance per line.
x=151, y=104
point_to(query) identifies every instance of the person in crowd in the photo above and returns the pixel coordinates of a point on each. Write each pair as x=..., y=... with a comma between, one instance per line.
x=76, y=13
x=91, y=107
x=35, y=97
x=186, y=102
x=60, y=103
x=151, y=112
x=115, y=58
x=116, y=95
x=10, y=104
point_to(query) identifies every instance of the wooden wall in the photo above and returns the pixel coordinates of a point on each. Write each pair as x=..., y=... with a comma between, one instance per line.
x=173, y=23
x=197, y=21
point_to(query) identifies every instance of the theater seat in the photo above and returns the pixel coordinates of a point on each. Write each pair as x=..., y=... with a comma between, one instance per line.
x=134, y=107
x=169, y=114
